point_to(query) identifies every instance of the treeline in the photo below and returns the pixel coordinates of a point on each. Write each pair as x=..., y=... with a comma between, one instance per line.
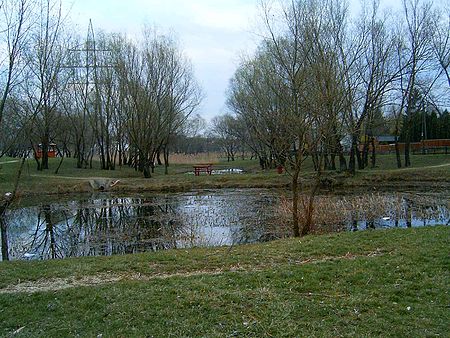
x=92, y=94
x=323, y=82
x=321, y=79
x=427, y=125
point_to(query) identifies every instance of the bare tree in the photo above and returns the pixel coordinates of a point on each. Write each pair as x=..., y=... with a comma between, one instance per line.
x=45, y=58
x=441, y=42
x=15, y=22
x=292, y=92
x=415, y=57
x=223, y=127
x=379, y=71
x=75, y=101
x=180, y=98
x=159, y=93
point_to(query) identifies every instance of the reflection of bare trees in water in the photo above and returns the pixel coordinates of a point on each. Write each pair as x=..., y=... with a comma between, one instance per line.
x=102, y=227
x=244, y=216
x=50, y=228
x=335, y=213
x=107, y=226
x=112, y=225
x=120, y=226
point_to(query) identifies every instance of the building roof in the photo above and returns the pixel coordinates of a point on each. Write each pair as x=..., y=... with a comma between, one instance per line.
x=386, y=138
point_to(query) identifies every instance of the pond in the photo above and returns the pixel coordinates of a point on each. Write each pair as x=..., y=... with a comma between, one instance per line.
x=104, y=224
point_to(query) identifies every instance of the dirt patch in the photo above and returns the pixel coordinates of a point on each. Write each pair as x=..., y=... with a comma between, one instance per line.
x=56, y=284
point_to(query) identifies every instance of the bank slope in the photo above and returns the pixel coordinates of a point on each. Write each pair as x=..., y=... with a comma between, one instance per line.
x=372, y=283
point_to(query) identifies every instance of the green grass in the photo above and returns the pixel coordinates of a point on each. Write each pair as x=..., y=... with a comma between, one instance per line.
x=389, y=162
x=373, y=283
x=73, y=180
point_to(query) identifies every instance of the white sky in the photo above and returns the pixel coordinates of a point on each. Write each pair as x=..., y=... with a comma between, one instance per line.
x=212, y=33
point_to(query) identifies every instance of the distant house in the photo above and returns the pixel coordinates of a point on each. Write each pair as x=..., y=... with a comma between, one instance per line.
x=385, y=139
x=51, y=150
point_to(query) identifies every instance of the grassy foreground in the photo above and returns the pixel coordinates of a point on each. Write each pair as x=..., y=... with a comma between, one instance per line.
x=371, y=283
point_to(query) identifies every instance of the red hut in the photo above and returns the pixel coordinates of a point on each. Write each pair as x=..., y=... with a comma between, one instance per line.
x=51, y=150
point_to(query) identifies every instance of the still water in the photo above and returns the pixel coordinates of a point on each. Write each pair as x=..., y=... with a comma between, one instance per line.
x=108, y=225
x=104, y=224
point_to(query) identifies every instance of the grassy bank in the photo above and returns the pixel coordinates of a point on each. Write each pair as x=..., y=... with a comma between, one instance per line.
x=430, y=170
x=372, y=283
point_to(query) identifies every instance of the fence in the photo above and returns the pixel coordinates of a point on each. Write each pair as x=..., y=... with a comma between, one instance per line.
x=441, y=146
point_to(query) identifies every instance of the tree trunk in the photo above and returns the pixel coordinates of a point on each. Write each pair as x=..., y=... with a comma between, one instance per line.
x=327, y=162
x=309, y=212
x=359, y=158
x=407, y=153
x=295, y=198
x=342, y=160
x=59, y=165
x=120, y=155
x=397, y=153
x=4, y=234
x=262, y=163
x=158, y=157
x=35, y=156
x=352, y=161
x=91, y=157
x=146, y=171
x=38, y=163
x=365, y=155
x=102, y=154
x=315, y=160
x=44, y=160
x=80, y=158
x=166, y=160
x=333, y=161
x=374, y=159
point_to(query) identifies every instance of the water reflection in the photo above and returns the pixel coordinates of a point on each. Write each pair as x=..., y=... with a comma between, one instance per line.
x=360, y=211
x=107, y=225
x=104, y=225
x=389, y=210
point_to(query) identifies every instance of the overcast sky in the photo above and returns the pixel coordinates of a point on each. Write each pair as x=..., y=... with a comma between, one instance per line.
x=213, y=33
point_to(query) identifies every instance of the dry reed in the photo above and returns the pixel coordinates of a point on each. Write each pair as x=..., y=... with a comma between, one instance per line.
x=335, y=213
x=179, y=158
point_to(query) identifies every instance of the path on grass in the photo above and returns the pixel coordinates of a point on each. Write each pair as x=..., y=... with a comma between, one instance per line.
x=428, y=167
x=12, y=161
x=115, y=178
x=56, y=284
x=75, y=177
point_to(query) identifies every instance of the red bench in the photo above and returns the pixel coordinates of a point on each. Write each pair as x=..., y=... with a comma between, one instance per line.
x=205, y=168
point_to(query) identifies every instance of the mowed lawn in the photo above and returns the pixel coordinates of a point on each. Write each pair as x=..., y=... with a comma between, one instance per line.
x=371, y=283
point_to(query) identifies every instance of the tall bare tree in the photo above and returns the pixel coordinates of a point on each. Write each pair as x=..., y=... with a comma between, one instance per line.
x=45, y=61
x=441, y=41
x=159, y=92
x=415, y=55
x=293, y=89
x=15, y=22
